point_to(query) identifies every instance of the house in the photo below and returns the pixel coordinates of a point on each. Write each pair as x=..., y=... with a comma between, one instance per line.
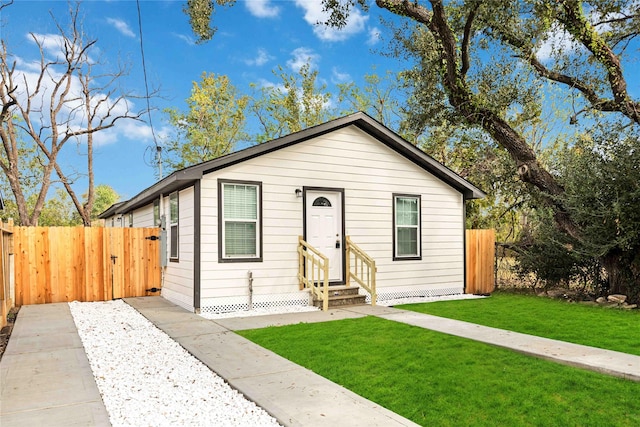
x=233, y=224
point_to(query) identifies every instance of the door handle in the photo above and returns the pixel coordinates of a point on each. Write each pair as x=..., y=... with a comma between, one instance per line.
x=337, y=244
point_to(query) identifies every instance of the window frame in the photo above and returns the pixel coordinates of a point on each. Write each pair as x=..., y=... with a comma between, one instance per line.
x=222, y=258
x=174, y=238
x=418, y=255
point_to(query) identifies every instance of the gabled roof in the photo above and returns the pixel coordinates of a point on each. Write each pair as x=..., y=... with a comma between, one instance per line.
x=186, y=177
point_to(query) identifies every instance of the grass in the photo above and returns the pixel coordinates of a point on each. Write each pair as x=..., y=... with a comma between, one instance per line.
x=439, y=380
x=577, y=323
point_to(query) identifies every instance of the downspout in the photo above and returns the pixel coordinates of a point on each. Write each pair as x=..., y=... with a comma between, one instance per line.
x=250, y=278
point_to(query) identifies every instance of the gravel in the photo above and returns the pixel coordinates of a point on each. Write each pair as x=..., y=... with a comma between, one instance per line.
x=147, y=379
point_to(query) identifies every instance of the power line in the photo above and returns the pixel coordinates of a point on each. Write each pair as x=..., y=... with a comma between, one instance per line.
x=146, y=87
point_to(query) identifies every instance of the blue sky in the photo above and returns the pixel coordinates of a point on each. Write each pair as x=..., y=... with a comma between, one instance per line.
x=253, y=38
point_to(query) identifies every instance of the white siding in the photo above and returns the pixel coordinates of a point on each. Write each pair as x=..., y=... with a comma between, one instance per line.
x=178, y=275
x=143, y=217
x=369, y=173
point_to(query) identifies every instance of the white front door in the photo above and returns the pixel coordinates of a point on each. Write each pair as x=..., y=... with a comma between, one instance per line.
x=324, y=227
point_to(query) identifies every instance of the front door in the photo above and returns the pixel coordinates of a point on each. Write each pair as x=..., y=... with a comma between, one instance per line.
x=323, y=228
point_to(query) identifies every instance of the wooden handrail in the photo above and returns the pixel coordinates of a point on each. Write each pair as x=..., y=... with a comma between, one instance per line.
x=310, y=262
x=362, y=269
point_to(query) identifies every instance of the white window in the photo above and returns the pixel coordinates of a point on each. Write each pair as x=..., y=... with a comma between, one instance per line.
x=406, y=227
x=173, y=224
x=156, y=213
x=240, y=221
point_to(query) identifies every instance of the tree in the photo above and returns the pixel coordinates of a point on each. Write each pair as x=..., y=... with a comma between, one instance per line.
x=499, y=98
x=477, y=65
x=212, y=127
x=380, y=97
x=296, y=104
x=65, y=100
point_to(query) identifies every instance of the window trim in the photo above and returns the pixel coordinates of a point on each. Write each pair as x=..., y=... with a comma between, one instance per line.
x=176, y=257
x=418, y=256
x=259, y=235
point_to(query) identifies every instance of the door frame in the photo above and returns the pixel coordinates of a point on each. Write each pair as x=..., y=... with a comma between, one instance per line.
x=340, y=193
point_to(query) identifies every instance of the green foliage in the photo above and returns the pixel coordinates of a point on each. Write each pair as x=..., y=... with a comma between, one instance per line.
x=59, y=210
x=296, y=104
x=436, y=379
x=601, y=177
x=380, y=97
x=213, y=125
x=200, y=13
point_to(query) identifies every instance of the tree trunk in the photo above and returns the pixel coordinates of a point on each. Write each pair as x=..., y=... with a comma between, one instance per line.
x=623, y=274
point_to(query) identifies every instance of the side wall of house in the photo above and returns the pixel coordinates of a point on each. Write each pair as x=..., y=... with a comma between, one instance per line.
x=369, y=173
x=178, y=283
x=143, y=217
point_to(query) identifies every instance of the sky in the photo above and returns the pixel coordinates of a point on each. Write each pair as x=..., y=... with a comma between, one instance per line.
x=253, y=38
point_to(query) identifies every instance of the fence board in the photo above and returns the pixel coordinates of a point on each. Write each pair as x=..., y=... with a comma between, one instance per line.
x=60, y=264
x=6, y=249
x=480, y=261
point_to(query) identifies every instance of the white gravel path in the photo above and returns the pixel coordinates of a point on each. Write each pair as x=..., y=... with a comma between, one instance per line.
x=147, y=379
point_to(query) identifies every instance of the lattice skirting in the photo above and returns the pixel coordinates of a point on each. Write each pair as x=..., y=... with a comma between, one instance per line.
x=399, y=293
x=303, y=299
x=241, y=303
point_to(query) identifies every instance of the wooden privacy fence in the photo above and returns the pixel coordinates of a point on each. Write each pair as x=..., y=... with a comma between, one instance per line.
x=6, y=278
x=61, y=264
x=480, y=261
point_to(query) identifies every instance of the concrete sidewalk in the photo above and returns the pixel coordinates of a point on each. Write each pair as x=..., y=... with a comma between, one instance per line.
x=45, y=377
x=294, y=395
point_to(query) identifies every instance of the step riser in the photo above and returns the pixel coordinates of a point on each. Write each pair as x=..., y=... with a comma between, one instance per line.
x=342, y=302
x=352, y=290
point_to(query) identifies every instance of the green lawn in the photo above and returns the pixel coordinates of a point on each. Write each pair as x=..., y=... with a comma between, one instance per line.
x=440, y=380
x=582, y=324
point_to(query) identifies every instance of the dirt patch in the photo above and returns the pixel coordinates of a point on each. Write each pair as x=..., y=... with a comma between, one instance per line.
x=5, y=332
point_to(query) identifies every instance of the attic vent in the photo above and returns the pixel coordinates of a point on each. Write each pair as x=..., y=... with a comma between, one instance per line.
x=322, y=201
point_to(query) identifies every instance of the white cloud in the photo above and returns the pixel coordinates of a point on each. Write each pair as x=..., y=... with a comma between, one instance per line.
x=261, y=58
x=314, y=15
x=338, y=77
x=262, y=8
x=72, y=115
x=121, y=26
x=374, y=36
x=302, y=56
x=188, y=40
x=557, y=40
x=53, y=45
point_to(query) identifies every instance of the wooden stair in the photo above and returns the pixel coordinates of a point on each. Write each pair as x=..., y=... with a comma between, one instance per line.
x=342, y=296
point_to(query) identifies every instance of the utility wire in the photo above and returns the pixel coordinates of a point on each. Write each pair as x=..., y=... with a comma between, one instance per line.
x=146, y=87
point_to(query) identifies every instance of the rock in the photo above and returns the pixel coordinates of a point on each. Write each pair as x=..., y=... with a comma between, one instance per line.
x=629, y=306
x=601, y=300
x=617, y=298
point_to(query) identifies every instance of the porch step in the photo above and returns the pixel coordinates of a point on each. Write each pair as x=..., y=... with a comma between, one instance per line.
x=341, y=296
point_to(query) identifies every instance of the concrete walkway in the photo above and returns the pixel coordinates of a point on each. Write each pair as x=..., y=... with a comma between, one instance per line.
x=45, y=377
x=294, y=395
